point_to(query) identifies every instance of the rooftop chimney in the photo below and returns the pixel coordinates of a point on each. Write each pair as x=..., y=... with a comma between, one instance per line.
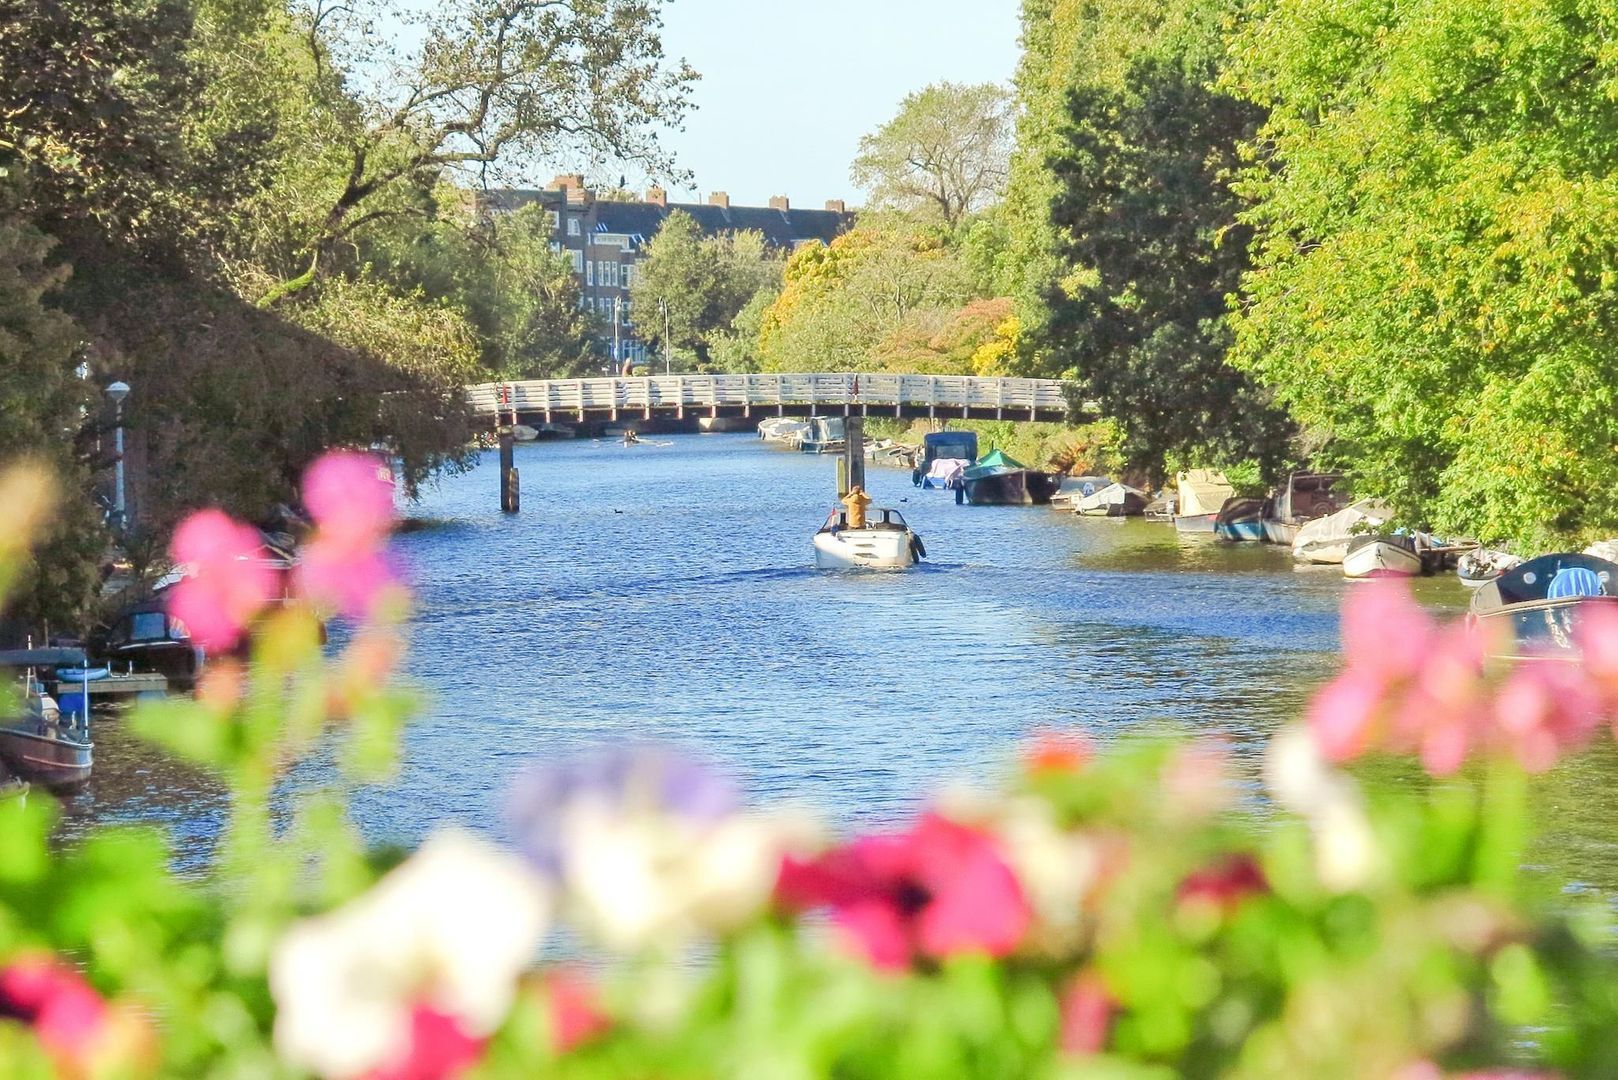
x=836, y=206
x=657, y=196
x=779, y=202
x=573, y=181
x=719, y=199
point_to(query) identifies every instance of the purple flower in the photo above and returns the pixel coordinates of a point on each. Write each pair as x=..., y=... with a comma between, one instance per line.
x=637, y=780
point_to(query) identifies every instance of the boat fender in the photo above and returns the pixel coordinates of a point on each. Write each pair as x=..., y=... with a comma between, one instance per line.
x=917, y=548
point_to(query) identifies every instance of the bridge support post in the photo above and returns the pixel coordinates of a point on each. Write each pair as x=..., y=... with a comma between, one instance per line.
x=508, y=473
x=853, y=455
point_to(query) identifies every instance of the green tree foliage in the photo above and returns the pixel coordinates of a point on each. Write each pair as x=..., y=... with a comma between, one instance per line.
x=704, y=283
x=193, y=157
x=41, y=417
x=94, y=94
x=1437, y=263
x=839, y=301
x=1146, y=222
x=494, y=87
x=499, y=271
x=943, y=156
x=1067, y=45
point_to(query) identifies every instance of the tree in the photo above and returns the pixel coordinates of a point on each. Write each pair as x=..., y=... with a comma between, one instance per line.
x=1146, y=220
x=498, y=270
x=703, y=282
x=943, y=155
x=1435, y=198
x=1070, y=45
x=839, y=301
x=41, y=403
x=495, y=87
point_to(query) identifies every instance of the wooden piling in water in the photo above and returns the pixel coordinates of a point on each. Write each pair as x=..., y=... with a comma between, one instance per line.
x=853, y=454
x=509, y=501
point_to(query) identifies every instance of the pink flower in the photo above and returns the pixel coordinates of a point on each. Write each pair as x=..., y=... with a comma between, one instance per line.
x=440, y=1049
x=67, y=1015
x=1343, y=715
x=345, y=566
x=1086, y=1010
x=348, y=581
x=226, y=582
x=1545, y=709
x=350, y=495
x=935, y=891
x=575, y=1012
x=1386, y=634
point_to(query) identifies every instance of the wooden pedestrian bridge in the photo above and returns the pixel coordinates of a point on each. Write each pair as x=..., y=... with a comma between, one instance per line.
x=682, y=396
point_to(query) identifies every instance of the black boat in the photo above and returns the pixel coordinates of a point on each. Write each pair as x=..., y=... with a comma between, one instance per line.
x=1001, y=480
x=1538, y=601
x=40, y=743
x=144, y=637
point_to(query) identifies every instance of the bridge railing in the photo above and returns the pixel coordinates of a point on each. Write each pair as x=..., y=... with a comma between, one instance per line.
x=699, y=391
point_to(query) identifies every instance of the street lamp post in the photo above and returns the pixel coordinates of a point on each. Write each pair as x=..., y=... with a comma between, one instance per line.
x=668, y=368
x=117, y=392
x=617, y=347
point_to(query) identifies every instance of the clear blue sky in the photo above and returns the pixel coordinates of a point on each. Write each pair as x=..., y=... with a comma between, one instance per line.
x=789, y=86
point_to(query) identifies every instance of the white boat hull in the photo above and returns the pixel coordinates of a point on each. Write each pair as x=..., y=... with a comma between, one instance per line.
x=879, y=548
x=1378, y=559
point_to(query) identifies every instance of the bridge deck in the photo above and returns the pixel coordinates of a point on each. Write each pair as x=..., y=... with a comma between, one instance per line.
x=747, y=395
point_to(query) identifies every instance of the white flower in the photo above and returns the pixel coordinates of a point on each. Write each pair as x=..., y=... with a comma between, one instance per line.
x=450, y=928
x=1301, y=780
x=637, y=880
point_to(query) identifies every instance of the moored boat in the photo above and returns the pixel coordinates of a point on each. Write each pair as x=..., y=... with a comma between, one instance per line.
x=782, y=429
x=826, y=435
x=884, y=541
x=1071, y=489
x=1326, y=540
x=1114, y=500
x=1201, y=493
x=1374, y=555
x=945, y=455
x=1001, y=480
x=1482, y=565
x=1240, y=520
x=40, y=743
x=1304, y=497
x=1538, y=602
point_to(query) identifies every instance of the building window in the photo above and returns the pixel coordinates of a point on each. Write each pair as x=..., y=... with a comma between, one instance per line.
x=552, y=218
x=573, y=226
x=609, y=274
x=578, y=261
x=556, y=246
x=629, y=275
x=589, y=272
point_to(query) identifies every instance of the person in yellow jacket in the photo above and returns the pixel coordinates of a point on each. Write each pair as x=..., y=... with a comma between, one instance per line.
x=856, y=500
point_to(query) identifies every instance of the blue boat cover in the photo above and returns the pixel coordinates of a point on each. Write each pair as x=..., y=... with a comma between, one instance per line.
x=1574, y=581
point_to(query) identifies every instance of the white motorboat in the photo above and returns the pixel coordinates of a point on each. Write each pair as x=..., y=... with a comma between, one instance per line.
x=782, y=429
x=1114, y=500
x=884, y=542
x=524, y=433
x=1374, y=555
x=1326, y=539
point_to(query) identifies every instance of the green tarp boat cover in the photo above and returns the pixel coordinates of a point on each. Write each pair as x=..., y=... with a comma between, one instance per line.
x=995, y=461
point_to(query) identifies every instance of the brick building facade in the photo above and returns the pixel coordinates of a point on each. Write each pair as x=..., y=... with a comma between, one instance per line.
x=606, y=238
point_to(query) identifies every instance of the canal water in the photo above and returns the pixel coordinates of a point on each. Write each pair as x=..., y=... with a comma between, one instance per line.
x=667, y=592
